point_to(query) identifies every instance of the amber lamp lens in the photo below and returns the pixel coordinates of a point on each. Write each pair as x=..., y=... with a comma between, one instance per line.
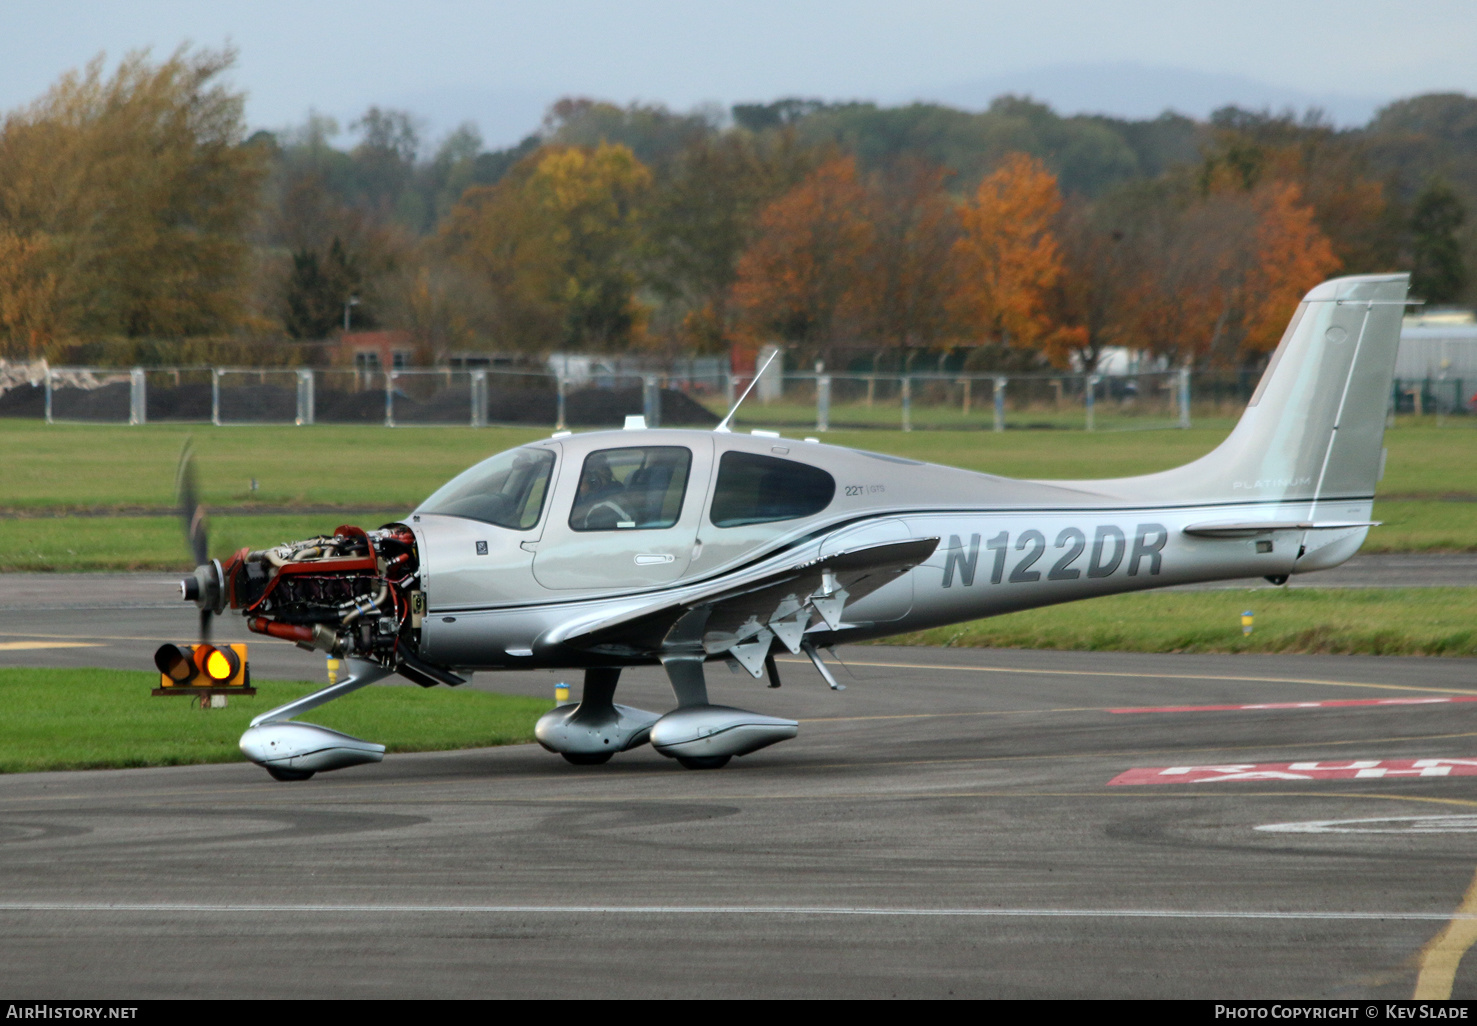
x=218, y=666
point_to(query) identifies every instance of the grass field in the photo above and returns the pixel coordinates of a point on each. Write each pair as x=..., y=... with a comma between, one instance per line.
x=1363, y=621
x=47, y=472
x=95, y=719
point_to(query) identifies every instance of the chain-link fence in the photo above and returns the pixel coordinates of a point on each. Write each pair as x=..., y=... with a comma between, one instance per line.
x=914, y=402
x=809, y=402
x=244, y=396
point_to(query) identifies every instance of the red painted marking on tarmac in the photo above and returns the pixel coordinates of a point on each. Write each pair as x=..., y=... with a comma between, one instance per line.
x=1335, y=769
x=1332, y=703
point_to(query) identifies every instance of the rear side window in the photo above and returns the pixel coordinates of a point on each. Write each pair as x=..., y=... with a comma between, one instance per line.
x=755, y=489
x=631, y=489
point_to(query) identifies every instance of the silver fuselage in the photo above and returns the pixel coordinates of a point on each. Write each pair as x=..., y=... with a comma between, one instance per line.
x=1004, y=545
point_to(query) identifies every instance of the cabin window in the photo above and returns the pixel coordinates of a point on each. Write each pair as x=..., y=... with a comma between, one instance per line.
x=507, y=490
x=631, y=489
x=755, y=489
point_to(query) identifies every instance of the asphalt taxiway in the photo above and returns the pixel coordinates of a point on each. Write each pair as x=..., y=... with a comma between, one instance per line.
x=947, y=826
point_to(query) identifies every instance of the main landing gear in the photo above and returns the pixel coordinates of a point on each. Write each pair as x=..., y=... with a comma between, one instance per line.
x=698, y=735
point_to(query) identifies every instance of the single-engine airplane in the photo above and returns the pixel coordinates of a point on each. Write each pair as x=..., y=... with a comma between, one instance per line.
x=611, y=549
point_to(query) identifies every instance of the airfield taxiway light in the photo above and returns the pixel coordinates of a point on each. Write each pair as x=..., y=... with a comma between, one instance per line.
x=175, y=665
x=561, y=693
x=191, y=669
x=1246, y=619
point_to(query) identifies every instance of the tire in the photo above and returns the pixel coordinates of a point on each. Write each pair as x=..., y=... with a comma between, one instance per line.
x=587, y=758
x=702, y=762
x=278, y=773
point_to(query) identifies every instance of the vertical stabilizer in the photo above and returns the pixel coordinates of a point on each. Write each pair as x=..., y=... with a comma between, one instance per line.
x=1315, y=427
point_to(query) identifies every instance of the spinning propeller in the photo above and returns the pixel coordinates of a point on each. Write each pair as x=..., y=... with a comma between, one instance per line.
x=206, y=587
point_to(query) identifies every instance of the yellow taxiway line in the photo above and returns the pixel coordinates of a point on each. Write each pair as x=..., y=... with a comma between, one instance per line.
x=1443, y=954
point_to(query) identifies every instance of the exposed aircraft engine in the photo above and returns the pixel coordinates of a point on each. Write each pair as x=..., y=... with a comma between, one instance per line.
x=354, y=594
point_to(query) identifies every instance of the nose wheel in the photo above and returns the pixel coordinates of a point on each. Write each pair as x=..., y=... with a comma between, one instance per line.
x=701, y=762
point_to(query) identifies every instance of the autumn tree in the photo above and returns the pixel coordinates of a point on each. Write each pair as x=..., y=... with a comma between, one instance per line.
x=1219, y=275
x=1090, y=296
x=701, y=218
x=1182, y=253
x=382, y=166
x=323, y=237
x=444, y=308
x=557, y=241
x=803, y=279
x=506, y=245
x=125, y=202
x=593, y=198
x=653, y=133
x=29, y=312
x=1009, y=256
x=1290, y=254
x=913, y=271
x=1333, y=170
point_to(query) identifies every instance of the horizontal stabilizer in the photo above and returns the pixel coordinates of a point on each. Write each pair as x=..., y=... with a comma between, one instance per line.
x=1252, y=528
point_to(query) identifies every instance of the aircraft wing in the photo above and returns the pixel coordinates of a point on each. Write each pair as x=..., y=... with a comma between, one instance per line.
x=741, y=617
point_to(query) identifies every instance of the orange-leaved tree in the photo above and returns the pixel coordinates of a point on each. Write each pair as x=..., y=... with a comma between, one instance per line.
x=1219, y=273
x=29, y=318
x=1008, y=254
x=1292, y=254
x=803, y=278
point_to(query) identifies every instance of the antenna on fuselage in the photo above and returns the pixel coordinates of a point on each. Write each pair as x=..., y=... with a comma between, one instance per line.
x=723, y=424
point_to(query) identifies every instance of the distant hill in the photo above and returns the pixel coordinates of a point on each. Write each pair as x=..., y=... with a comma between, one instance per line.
x=1136, y=92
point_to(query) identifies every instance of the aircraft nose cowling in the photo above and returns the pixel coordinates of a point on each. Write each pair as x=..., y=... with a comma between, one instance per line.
x=718, y=730
x=306, y=747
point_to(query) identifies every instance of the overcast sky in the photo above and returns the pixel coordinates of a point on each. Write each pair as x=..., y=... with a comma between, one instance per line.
x=500, y=63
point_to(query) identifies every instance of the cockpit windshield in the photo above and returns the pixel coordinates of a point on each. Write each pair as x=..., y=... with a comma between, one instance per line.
x=507, y=490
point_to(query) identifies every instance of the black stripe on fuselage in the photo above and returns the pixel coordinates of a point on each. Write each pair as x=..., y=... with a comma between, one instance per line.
x=890, y=514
